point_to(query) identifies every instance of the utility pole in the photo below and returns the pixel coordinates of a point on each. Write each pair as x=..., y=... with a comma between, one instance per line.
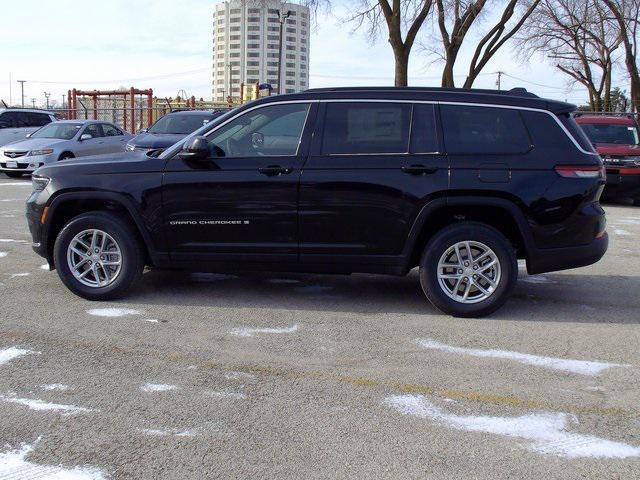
x=499, y=80
x=63, y=99
x=47, y=95
x=230, y=83
x=283, y=18
x=33, y=102
x=22, y=82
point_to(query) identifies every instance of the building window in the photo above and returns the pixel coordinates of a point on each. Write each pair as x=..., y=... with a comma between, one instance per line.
x=290, y=74
x=253, y=37
x=253, y=28
x=273, y=29
x=234, y=54
x=291, y=30
x=291, y=39
x=234, y=37
x=253, y=10
x=253, y=19
x=290, y=56
x=291, y=65
x=253, y=63
x=234, y=20
x=253, y=45
x=291, y=47
x=273, y=38
x=253, y=54
x=271, y=72
x=290, y=82
x=234, y=29
x=272, y=64
x=234, y=11
x=272, y=55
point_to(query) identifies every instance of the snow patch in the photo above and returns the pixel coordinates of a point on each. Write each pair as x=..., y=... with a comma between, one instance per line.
x=23, y=274
x=112, y=312
x=151, y=320
x=157, y=387
x=238, y=376
x=582, y=367
x=15, y=184
x=250, y=332
x=58, y=387
x=13, y=464
x=3, y=254
x=11, y=353
x=11, y=240
x=41, y=405
x=157, y=432
x=44, y=267
x=546, y=432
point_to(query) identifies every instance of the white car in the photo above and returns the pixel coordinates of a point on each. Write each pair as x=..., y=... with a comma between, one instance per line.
x=17, y=123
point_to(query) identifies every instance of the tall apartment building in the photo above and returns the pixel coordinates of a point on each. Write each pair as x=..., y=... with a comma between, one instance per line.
x=246, y=36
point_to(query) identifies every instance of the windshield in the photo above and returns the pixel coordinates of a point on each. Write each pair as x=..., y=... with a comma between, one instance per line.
x=179, y=124
x=607, y=133
x=62, y=131
x=201, y=131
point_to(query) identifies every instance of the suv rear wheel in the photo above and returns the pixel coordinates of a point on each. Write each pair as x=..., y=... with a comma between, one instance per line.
x=98, y=256
x=468, y=269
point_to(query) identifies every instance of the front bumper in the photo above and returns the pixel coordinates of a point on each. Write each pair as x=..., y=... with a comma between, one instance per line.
x=34, y=209
x=24, y=164
x=553, y=259
x=623, y=182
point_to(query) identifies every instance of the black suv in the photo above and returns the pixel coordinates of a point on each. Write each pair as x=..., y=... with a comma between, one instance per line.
x=460, y=183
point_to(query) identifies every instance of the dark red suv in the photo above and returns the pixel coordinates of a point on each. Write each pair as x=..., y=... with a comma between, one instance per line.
x=617, y=140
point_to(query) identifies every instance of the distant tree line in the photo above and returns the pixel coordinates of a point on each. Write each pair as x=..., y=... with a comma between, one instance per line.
x=587, y=40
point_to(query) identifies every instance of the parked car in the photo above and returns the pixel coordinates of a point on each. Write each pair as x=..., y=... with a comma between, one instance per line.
x=61, y=140
x=171, y=128
x=17, y=123
x=460, y=183
x=617, y=140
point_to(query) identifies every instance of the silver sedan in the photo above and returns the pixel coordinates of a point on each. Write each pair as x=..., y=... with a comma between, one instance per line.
x=60, y=141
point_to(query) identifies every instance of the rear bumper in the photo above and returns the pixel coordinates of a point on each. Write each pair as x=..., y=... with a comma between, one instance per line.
x=553, y=259
x=623, y=184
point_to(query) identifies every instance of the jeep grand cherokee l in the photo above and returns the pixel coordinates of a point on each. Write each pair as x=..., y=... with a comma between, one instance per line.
x=460, y=183
x=617, y=140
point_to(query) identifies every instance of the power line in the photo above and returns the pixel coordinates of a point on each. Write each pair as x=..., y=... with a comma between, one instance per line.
x=121, y=80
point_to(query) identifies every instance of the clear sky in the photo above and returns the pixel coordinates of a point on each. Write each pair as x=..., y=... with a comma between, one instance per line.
x=166, y=45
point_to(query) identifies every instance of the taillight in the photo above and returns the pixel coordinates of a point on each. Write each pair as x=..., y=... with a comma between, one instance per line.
x=581, y=171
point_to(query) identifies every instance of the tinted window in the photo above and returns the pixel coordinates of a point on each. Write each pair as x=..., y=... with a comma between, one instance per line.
x=608, y=133
x=423, y=129
x=270, y=130
x=110, y=130
x=37, y=119
x=576, y=132
x=352, y=128
x=471, y=130
x=14, y=119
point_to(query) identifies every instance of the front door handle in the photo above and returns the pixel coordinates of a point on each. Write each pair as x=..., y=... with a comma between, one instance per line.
x=273, y=170
x=418, y=170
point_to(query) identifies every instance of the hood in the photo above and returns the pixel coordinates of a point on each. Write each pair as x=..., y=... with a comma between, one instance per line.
x=155, y=140
x=606, y=149
x=111, y=163
x=32, y=144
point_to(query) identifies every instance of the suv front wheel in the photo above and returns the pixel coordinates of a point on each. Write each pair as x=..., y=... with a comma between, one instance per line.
x=468, y=269
x=98, y=256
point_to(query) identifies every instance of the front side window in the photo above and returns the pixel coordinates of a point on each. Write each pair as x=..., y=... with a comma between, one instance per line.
x=62, y=131
x=483, y=130
x=608, y=133
x=110, y=130
x=366, y=128
x=271, y=130
x=93, y=129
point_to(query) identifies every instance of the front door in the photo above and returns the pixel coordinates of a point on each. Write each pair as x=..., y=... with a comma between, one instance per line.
x=240, y=205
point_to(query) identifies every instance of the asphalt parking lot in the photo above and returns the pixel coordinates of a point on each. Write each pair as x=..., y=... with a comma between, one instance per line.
x=311, y=376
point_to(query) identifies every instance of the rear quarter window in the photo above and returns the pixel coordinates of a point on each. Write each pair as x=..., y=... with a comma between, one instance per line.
x=576, y=132
x=483, y=130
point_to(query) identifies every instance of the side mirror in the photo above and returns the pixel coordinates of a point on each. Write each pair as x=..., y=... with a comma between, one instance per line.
x=85, y=136
x=142, y=130
x=257, y=140
x=195, y=149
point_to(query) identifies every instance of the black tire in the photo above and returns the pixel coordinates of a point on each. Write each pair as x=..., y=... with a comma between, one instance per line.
x=636, y=202
x=14, y=174
x=475, y=232
x=122, y=233
x=65, y=156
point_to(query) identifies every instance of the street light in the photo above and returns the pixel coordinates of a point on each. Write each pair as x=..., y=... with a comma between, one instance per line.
x=282, y=17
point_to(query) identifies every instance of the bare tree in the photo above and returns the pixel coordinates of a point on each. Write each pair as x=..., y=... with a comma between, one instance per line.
x=580, y=39
x=625, y=14
x=456, y=18
x=402, y=19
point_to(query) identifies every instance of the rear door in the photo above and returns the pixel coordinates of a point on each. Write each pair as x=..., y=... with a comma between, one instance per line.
x=368, y=174
x=114, y=138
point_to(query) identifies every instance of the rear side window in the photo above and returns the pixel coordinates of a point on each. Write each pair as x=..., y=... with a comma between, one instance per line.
x=424, y=137
x=483, y=130
x=576, y=132
x=356, y=128
x=110, y=130
x=37, y=119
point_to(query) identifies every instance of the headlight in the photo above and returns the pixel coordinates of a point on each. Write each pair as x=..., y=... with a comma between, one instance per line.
x=130, y=147
x=45, y=151
x=39, y=183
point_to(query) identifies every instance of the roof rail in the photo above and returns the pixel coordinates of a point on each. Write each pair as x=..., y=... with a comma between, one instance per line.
x=519, y=91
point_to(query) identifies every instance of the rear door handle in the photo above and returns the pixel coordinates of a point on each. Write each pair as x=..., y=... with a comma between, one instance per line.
x=418, y=170
x=273, y=170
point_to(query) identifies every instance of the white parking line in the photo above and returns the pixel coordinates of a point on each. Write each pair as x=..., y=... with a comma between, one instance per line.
x=41, y=405
x=112, y=312
x=250, y=332
x=582, y=367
